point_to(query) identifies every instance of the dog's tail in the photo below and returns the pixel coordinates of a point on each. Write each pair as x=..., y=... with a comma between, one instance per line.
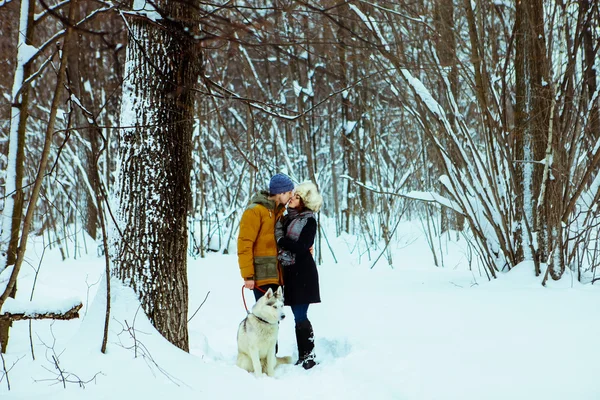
x=284, y=360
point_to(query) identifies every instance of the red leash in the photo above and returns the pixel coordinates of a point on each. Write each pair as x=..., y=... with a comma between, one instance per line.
x=244, y=297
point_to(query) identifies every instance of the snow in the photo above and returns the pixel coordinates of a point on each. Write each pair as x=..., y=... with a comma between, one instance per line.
x=257, y=78
x=434, y=197
x=299, y=89
x=25, y=53
x=38, y=307
x=349, y=126
x=147, y=9
x=5, y=275
x=408, y=332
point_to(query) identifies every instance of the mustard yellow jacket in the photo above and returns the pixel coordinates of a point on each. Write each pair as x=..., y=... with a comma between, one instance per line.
x=256, y=246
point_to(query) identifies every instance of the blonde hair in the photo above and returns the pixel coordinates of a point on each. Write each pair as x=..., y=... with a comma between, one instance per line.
x=310, y=195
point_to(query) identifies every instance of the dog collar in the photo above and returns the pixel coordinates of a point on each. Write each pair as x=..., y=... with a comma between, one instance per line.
x=261, y=320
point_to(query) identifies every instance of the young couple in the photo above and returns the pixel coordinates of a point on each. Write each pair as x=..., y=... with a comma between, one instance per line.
x=275, y=250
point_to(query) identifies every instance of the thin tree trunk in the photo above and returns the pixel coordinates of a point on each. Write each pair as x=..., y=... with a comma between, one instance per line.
x=531, y=126
x=77, y=74
x=334, y=180
x=100, y=197
x=446, y=50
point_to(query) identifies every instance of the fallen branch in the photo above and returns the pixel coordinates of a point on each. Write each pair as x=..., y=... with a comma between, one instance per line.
x=69, y=314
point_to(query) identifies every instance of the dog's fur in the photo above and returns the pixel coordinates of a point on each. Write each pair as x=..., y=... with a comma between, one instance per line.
x=257, y=335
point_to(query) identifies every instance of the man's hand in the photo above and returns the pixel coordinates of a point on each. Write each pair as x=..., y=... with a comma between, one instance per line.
x=312, y=250
x=249, y=284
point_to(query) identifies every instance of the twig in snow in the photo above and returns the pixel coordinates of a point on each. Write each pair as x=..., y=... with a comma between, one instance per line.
x=6, y=370
x=61, y=374
x=143, y=351
x=198, y=309
x=87, y=293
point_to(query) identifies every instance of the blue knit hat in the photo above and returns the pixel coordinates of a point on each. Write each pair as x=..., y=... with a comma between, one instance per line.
x=280, y=183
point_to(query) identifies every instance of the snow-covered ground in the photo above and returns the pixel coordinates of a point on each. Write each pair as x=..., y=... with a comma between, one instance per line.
x=411, y=332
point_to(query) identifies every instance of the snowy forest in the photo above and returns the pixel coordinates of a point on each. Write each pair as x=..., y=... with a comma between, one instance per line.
x=148, y=125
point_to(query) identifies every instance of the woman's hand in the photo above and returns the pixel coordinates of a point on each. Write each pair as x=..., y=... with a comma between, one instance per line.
x=249, y=284
x=278, y=231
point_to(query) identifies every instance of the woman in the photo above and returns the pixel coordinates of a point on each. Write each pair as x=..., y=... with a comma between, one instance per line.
x=295, y=235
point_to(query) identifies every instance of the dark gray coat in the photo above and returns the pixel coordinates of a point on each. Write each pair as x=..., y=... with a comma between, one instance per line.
x=301, y=279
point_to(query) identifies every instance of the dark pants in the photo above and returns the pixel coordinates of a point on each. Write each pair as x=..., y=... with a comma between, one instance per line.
x=300, y=312
x=259, y=291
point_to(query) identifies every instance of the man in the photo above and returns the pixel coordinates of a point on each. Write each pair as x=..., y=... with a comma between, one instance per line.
x=257, y=249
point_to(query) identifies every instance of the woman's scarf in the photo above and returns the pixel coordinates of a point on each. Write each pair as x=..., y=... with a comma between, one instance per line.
x=297, y=223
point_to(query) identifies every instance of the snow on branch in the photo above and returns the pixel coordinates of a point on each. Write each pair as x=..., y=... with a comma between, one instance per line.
x=430, y=197
x=16, y=310
x=49, y=10
x=372, y=24
x=426, y=97
x=419, y=20
x=147, y=9
x=58, y=35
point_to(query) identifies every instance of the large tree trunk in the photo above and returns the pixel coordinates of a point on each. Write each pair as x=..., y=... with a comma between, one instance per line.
x=153, y=188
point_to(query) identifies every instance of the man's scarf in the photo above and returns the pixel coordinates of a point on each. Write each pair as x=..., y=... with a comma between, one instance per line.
x=297, y=223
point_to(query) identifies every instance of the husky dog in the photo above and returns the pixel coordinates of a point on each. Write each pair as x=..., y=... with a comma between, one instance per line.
x=257, y=335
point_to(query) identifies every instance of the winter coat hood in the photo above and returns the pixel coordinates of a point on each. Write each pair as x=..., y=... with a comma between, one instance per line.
x=262, y=198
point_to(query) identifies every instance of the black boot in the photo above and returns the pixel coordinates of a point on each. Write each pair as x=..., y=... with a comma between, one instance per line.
x=305, y=338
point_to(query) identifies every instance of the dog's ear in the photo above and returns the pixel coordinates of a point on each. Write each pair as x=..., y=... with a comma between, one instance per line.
x=269, y=293
x=279, y=293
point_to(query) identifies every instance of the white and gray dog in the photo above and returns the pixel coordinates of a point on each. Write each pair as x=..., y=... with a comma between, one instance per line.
x=257, y=335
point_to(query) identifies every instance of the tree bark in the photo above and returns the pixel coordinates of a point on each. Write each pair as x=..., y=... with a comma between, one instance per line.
x=533, y=99
x=153, y=189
